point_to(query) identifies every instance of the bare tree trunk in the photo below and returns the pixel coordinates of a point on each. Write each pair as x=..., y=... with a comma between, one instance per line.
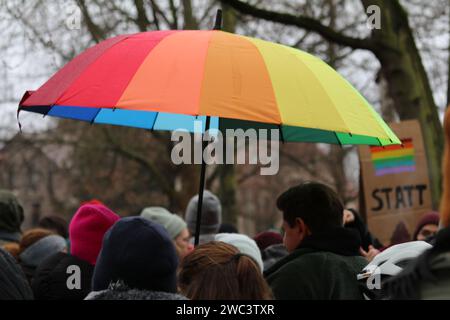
x=229, y=18
x=337, y=154
x=190, y=22
x=387, y=103
x=227, y=174
x=408, y=84
x=227, y=193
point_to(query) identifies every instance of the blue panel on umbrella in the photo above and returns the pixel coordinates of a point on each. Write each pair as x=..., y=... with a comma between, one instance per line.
x=77, y=113
x=173, y=122
x=129, y=118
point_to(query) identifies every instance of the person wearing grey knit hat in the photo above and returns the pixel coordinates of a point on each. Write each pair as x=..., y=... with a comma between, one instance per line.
x=174, y=225
x=244, y=244
x=211, y=216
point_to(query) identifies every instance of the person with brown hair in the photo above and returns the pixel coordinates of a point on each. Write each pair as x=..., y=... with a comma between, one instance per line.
x=218, y=271
x=13, y=249
x=35, y=246
x=31, y=236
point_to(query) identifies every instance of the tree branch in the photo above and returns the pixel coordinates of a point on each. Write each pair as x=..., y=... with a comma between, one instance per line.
x=173, y=10
x=189, y=20
x=36, y=34
x=306, y=23
x=157, y=11
x=96, y=32
x=141, y=19
x=142, y=160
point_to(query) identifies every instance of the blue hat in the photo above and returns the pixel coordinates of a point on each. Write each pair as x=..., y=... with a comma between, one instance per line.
x=138, y=252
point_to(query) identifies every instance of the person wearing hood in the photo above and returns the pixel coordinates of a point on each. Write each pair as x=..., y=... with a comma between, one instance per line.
x=11, y=218
x=35, y=246
x=174, y=225
x=370, y=246
x=353, y=220
x=324, y=257
x=86, y=231
x=211, y=216
x=138, y=260
x=400, y=234
x=13, y=283
x=244, y=244
x=271, y=246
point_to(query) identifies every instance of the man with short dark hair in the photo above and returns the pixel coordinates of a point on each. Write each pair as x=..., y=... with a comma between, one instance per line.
x=324, y=257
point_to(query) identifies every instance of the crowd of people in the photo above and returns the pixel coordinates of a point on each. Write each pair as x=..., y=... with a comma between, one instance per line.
x=324, y=251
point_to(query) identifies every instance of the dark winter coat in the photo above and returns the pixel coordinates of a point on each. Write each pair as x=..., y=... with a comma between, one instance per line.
x=272, y=254
x=13, y=283
x=51, y=277
x=323, y=267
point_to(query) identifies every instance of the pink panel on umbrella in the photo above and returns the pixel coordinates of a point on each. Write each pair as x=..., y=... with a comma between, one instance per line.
x=104, y=81
x=58, y=84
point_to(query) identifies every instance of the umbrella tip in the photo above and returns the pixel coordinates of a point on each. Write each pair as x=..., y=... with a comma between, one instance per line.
x=18, y=120
x=218, y=24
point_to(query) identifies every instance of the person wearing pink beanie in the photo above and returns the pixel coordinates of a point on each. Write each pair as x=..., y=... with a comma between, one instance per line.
x=87, y=228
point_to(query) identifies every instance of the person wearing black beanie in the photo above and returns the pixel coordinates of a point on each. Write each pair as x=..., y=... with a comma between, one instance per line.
x=137, y=255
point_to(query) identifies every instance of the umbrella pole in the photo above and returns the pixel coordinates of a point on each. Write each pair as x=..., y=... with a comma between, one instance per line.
x=202, y=187
x=217, y=26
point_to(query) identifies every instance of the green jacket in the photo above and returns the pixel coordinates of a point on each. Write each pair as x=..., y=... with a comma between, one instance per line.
x=310, y=273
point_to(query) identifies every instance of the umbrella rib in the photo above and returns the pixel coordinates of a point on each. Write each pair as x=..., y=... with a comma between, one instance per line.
x=281, y=133
x=152, y=128
x=379, y=141
x=337, y=137
x=93, y=119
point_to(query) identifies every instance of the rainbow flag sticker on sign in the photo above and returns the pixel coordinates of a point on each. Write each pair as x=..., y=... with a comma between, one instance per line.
x=394, y=159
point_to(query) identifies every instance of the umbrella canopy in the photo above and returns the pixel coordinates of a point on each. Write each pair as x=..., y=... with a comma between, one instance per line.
x=164, y=80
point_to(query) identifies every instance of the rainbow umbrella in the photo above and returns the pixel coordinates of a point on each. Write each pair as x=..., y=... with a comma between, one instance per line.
x=165, y=80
